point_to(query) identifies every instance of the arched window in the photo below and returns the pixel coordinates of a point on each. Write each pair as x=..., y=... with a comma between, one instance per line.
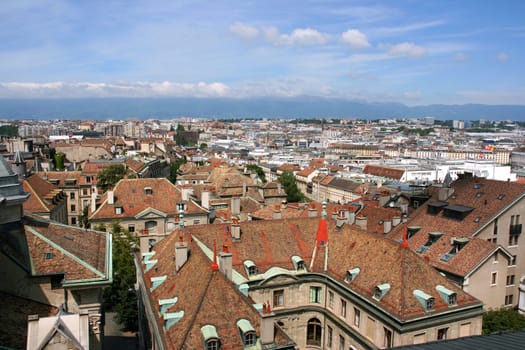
x=313, y=333
x=212, y=344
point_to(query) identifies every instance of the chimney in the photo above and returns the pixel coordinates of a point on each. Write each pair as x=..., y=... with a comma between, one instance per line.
x=185, y=192
x=277, y=212
x=340, y=218
x=278, y=187
x=244, y=189
x=312, y=211
x=396, y=220
x=236, y=229
x=350, y=217
x=361, y=221
x=181, y=253
x=284, y=204
x=205, y=199
x=387, y=224
x=236, y=206
x=444, y=193
x=267, y=325
x=111, y=197
x=225, y=262
x=93, y=202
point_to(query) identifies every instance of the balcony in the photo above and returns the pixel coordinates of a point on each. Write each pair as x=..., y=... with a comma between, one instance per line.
x=515, y=229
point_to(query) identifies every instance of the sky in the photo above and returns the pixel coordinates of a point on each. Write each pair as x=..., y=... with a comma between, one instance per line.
x=409, y=51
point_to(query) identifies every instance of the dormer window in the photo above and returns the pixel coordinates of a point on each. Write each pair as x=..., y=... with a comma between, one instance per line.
x=380, y=290
x=298, y=263
x=450, y=297
x=432, y=238
x=148, y=191
x=457, y=245
x=250, y=267
x=210, y=337
x=118, y=210
x=426, y=300
x=249, y=338
x=352, y=274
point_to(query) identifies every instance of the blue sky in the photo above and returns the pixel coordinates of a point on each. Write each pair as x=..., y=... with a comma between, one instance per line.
x=409, y=51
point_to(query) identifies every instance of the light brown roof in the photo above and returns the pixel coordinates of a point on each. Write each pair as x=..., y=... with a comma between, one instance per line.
x=272, y=243
x=130, y=194
x=42, y=193
x=207, y=298
x=383, y=171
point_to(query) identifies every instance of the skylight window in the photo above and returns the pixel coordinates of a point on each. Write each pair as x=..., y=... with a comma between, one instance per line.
x=501, y=196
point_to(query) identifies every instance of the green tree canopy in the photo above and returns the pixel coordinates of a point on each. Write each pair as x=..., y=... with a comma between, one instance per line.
x=502, y=320
x=258, y=170
x=59, y=161
x=174, y=169
x=110, y=176
x=293, y=194
x=121, y=297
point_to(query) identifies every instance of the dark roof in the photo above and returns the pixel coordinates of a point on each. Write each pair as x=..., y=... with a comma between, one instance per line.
x=507, y=341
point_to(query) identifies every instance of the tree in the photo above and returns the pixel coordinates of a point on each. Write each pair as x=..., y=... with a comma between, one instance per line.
x=59, y=161
x=121, y=297
x=258, y=170
x=83, y=219
x=203, y=146
x=109, y=177
x=502, y=320
x=293, y=194
x=174, y=169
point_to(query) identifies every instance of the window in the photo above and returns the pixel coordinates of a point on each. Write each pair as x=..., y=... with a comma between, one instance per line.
x=493, y=240
x=73, y=207
x=509, y=299
x=331, y=299
x=329, y=334
x=513, y=260
x=341, y=342
x=131, y=228
x=71, y=195
x=48, y=256
x=212, y=345
x=513, y=239
x=494, y=278
x=73, y=221
x=387, y=339
x=430, y=304
x=357, y=317
x=343, y=308
x=313, y=332
x=196, y=221
x=495, y=258
x=118, y=210
x=315, y=295
x=442, y=334
x=514, y=220
x=148, y=190
x=85, y=203
x=249, y=339
x=85, y=191
x=495, y=232
x=510, y=280
x=88, y=179
x=278, y=297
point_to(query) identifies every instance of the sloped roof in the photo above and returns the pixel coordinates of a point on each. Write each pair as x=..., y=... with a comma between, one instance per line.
x=271, y=244
x=207, y=298
x=77, y=253
x=383, y=171
x=42, y=193
x=130, y=194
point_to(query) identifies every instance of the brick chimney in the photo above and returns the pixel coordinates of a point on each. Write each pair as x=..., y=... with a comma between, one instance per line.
x=277, y=212
x=396, y=220
x=225, y=262
x=185, y=193
x=181, y=253
x=312, y=211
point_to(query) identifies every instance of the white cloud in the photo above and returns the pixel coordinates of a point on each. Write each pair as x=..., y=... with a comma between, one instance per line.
x=298, y=37
x=404, y=49
x=461, y=57
x=502, y=57
x=244, y=30
x=137, y=89
x=355, y=39
x=392, y=31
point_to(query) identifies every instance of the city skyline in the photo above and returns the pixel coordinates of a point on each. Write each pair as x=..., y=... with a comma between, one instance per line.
x=409, y=52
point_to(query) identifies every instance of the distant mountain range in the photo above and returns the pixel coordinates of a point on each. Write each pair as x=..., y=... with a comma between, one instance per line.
x=297, y=107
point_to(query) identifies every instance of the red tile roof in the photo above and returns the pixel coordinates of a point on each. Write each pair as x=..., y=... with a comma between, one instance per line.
x=42, y=193
x=383, y=171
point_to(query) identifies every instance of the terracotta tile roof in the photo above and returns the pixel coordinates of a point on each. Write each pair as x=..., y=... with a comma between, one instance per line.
x=207, y=298
x=297, y=210
x=93, y=168
x=383, y=171
x=61, y=176
x=375, y=215
x=135, y=165
x=344, y=184
x=130, y=194
x=483, y=208
x=13, y=323
x=272, y=243
x=325, y=181
x=42, y=194
x=305, y=172
x=317, y=163
x=78, y=253
x=291, y=167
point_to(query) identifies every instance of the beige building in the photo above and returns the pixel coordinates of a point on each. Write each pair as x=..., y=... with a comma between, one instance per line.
x=471, y=231
x=325, y=284
x=152, y=208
